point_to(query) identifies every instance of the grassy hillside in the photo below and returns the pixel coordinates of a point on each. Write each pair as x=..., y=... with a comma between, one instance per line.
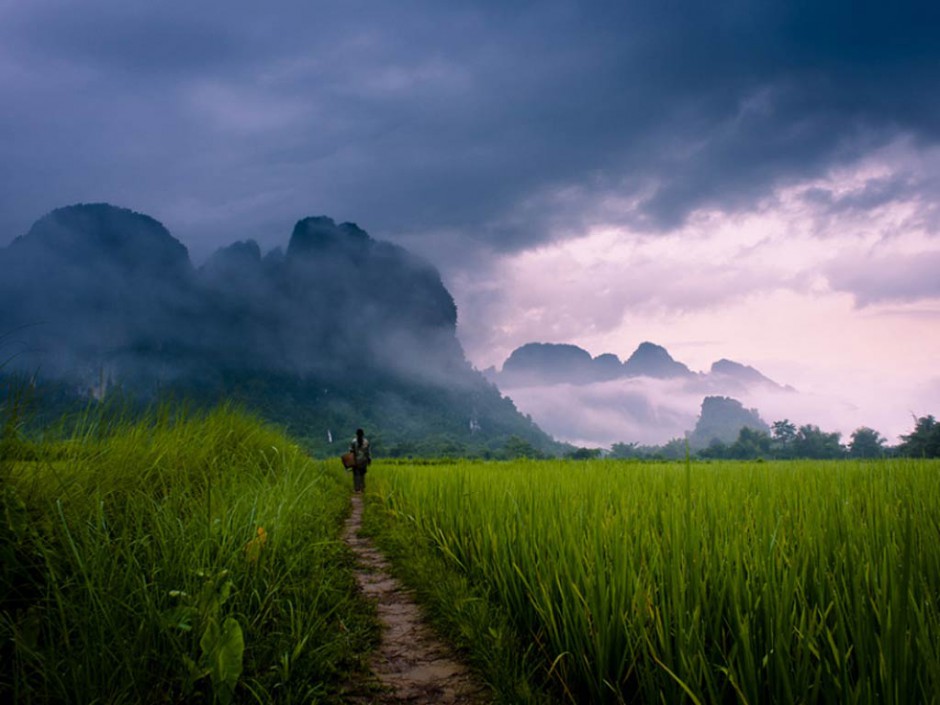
x=175, y=558
x=402, y=417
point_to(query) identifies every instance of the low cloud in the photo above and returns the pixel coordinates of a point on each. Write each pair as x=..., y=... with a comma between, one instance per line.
x=645, y=411
x=651, y=412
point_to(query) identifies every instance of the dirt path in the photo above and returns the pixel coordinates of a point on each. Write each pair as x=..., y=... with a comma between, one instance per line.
x=411, y=663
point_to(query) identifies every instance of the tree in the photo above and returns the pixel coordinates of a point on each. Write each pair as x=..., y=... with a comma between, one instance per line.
x=811, y=442
x=866, y=443
x=784, y=436
x=675, y=449
x=519, y=448
x=716, y=450
x=584, y=454
x=624, y=450
x=923, y=441
x=750, y=444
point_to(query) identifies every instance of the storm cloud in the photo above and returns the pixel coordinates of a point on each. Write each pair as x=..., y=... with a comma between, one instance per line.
x=509, y=125
x=748, y=179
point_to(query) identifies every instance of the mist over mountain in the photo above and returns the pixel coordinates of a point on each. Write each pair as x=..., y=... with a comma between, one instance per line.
x=336, y=331
x=648, y=398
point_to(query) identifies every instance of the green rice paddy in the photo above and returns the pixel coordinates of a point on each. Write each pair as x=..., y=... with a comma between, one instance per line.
x=786, y=582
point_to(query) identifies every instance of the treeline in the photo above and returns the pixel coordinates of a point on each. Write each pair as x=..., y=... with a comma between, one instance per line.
x=447, y=446
x=786, y=441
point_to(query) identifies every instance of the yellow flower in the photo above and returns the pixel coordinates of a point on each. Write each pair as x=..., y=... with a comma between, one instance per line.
x=253, y=547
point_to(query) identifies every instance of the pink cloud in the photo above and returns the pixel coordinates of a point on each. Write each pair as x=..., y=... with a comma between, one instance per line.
x=776, y=287
x=889, y=277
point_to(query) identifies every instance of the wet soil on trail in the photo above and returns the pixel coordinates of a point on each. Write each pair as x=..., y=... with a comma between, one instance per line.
x=410, y=664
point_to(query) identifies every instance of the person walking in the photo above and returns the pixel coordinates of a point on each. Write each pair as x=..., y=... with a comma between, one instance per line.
x=363, y=458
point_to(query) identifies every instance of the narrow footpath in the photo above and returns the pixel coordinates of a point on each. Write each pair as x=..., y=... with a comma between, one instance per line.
x=411, y=664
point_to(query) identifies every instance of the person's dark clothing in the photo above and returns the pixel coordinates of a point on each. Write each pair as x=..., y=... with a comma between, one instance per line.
x=363, y=454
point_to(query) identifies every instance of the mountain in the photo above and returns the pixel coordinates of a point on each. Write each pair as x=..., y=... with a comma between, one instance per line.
x=86, y=286
x=722, y=419
x=606, y=366
x=548, y=363
x=338, y=331
x=537, y=364
x=650, y=398
x=651, y=360
x=728, y=372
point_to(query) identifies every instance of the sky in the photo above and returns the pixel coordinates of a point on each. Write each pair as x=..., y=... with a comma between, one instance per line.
x=753, y=181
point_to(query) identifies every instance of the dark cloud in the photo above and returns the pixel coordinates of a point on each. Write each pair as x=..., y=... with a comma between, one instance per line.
x=144, y=42
x=875, y=193
x=505, y=123
x=888, y=278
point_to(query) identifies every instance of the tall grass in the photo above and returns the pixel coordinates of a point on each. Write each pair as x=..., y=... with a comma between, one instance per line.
x=180, y=558
x=800, y=582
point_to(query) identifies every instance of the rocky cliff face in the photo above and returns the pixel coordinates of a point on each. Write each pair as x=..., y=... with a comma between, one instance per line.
x=90, y=286
x=721, y=420
x=94, y=285
x=339, y=330
x=100, y=238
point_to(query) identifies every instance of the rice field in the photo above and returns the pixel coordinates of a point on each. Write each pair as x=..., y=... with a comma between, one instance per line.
x=722, y=582
x=196, y=559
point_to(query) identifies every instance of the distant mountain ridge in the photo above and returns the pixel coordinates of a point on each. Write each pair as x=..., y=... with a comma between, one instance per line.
x=338, y=331
x=100, y=285
x=535, y=364
x=651, y=360
x=649, y=398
